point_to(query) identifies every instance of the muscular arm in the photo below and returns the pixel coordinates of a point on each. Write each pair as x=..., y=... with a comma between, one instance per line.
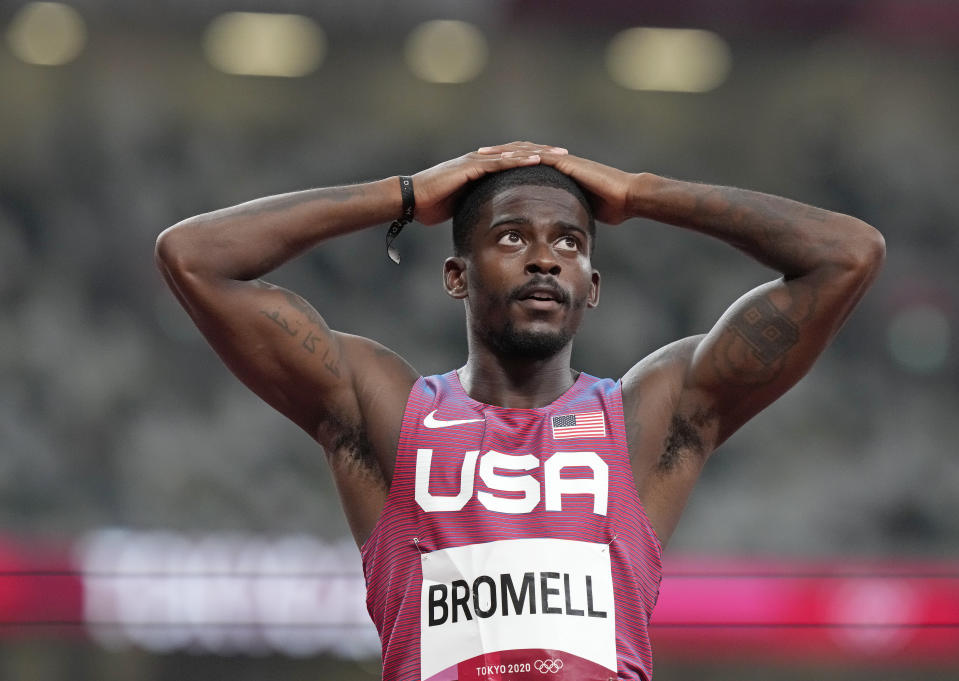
x=770, y=337
x=272, y=339
x=347, y=392
x=686, y=399
x=762, y=345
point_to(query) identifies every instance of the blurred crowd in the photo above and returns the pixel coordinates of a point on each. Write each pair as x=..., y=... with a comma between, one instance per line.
x=114, y=411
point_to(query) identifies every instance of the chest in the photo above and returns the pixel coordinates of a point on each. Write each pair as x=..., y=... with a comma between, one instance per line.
x=513, y=463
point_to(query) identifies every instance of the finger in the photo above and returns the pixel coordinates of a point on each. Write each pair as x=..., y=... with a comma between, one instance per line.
x=512, y=155
x=561, y=160
x=495, y=163
x=499, y=148
x=524, y=146
x=521, y=146
x=510, y=158
x=537, y=145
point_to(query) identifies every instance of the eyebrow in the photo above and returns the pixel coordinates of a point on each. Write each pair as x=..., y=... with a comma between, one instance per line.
x=521, y=220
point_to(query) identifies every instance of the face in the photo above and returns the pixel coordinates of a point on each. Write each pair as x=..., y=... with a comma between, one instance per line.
x=528, y=277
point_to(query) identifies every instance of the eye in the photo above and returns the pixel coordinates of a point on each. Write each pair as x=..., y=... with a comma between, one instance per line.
x=510, y=238
x=568, y=243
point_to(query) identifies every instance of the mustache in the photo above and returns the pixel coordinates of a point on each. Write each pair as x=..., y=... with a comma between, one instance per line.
x=540, y=283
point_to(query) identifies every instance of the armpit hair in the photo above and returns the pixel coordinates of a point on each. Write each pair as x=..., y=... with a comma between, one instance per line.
x=684, y=439
x=349, y=441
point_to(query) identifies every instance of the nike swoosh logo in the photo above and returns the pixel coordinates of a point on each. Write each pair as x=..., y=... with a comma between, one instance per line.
x=431, y=422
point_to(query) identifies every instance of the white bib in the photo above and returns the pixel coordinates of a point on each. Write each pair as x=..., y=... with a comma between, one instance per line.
x=517, y=609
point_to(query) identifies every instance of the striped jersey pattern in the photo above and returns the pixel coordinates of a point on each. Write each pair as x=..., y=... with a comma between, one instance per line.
x=459, y=425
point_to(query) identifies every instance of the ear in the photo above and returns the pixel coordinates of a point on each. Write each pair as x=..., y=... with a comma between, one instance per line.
x=593, y=299
x=454, y=277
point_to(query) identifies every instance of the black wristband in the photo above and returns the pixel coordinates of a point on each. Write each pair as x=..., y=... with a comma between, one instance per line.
x=409, y=203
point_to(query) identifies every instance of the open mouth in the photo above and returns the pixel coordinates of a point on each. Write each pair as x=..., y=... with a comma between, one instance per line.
x=542, y=298
x=541, y=294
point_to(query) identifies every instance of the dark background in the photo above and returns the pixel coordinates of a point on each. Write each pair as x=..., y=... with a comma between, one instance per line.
x=115, y=413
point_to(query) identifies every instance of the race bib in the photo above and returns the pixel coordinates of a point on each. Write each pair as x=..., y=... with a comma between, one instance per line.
x=518, y=610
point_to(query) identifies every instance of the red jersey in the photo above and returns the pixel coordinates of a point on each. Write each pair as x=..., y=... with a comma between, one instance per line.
x=513, y=545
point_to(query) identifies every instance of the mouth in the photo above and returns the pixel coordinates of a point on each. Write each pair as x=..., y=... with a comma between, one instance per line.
x=541, y=296
x=546, y=297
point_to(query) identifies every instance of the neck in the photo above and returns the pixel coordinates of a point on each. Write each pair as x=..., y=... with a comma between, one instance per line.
x=516, y=383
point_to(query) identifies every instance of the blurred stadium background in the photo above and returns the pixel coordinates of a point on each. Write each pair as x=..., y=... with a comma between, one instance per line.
x=158, y=522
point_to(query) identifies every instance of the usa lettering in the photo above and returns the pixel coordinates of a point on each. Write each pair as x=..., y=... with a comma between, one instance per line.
x=548, y=593
x=554, y=485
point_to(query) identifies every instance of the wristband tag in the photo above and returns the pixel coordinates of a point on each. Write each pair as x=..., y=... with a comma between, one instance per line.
x=391, y=234
x=409, y=203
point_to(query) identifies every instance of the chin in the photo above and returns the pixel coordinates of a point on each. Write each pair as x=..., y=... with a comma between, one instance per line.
x=529, y=343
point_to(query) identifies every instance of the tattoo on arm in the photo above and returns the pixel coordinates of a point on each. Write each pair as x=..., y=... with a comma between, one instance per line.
x=303, y=307
x=754, y=343
x=318, y=340
x=309, y=344
x=277, y=319
x=767, y=331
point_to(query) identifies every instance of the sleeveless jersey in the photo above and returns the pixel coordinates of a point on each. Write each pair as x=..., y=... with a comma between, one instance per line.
x=513, y=545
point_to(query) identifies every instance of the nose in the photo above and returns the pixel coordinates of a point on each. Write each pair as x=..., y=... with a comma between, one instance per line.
x=542, y=260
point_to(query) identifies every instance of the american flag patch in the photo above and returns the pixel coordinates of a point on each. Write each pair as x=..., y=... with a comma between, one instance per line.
x=590, y=424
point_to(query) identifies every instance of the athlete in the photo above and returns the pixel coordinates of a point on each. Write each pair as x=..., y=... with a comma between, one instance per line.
x=511, y=513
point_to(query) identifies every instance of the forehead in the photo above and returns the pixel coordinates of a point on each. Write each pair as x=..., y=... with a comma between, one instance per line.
x=537, y=204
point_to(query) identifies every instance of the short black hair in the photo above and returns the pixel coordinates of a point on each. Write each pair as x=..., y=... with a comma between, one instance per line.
x=478, y=193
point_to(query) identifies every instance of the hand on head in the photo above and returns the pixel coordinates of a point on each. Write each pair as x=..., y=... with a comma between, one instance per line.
x=437, y=188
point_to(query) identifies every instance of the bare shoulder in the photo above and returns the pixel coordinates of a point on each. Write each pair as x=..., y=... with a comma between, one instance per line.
x=653, y=401
x=666, y=359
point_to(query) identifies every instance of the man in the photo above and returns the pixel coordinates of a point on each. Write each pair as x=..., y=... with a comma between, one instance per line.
x=545, y=561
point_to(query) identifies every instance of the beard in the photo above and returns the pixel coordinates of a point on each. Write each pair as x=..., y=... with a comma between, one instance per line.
x=521, y=344
x=509, y=341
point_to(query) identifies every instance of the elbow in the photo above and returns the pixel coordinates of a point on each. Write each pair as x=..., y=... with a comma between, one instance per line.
x=873, y=249
x=173, y=248
x=865, y=249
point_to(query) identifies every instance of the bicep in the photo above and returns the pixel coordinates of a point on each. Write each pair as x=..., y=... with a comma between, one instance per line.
x=684, y=400
x=274, y=342
x=765, y=343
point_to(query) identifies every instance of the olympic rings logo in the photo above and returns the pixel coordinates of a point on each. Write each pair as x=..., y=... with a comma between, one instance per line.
x=548, y=666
